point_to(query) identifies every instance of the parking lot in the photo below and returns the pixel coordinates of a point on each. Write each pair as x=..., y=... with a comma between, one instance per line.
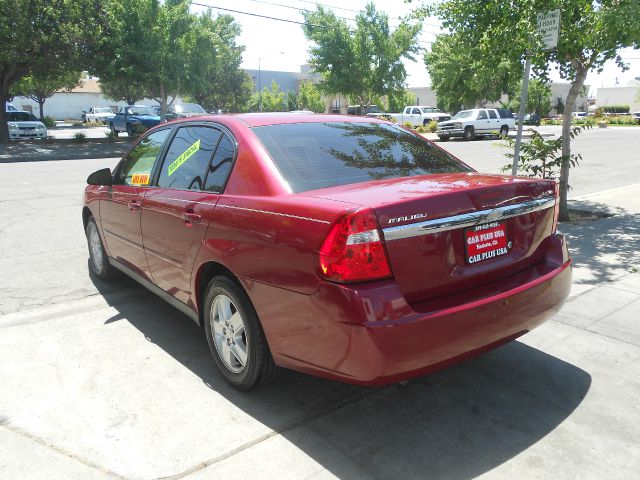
x=107, y=381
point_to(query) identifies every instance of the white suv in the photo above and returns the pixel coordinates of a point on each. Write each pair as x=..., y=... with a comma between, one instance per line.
x=477, y=122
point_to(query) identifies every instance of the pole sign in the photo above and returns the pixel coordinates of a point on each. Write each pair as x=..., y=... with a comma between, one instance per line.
x=549, y=28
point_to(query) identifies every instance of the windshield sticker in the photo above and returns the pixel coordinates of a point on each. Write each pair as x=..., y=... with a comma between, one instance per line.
x=140, y=179
x=188, y=153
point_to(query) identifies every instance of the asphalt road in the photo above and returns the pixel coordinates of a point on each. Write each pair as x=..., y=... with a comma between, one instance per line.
x=107, y=381
x=610, y=157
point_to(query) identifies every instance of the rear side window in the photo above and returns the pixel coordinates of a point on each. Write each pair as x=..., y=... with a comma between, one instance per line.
x=319, y=155
x=185, y=165
x=220, y=166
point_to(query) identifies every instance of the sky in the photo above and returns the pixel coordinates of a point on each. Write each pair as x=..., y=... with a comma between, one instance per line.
x=265, y=39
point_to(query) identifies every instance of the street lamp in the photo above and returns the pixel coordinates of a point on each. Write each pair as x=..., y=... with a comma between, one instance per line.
x=259, y=82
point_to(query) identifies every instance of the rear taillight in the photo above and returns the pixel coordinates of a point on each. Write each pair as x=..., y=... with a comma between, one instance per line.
x=556, y=208
x=353, y=250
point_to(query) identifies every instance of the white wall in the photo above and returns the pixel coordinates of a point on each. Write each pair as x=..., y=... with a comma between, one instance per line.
x=619, y=96
x=63, y=106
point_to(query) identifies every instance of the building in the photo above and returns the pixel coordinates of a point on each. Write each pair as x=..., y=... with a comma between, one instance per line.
x=627, y=95
x=69, y=105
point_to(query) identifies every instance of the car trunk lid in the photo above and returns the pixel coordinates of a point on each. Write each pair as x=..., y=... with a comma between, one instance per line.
x=450, y=232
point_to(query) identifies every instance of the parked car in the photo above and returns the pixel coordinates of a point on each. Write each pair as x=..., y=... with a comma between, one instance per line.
x=477, y=122
x=531, y=119
x=98, y=114
x=181, y=110
x=636, y=116
x=25, y=125
x=10, y=108
x=343, y=247
x=579, y=114
x=357, y=110
x=133, y=118
x=416, y=115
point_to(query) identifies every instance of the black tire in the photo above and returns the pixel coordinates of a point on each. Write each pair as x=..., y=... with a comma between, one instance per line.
x=258, y=369
x=98, y=262
x=130, y=130
x=425, y=122
x=443, y=138
x=504, y=130
x=114, y=132
x=469, y=133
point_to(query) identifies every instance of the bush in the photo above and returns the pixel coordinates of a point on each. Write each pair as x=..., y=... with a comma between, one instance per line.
x=540, y=157
x=421, y=129
x=77, y=123
x=407, y=124
x=615, y=108
x=432, y=126
x=49, y=122
x=111, y=137
x=620, y=120
x=80, y=137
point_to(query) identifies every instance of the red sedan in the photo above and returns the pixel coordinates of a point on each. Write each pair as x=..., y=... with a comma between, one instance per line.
x=348, y=248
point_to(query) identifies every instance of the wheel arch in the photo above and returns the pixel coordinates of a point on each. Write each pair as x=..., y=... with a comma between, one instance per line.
x=203, y=276
x=86, y=213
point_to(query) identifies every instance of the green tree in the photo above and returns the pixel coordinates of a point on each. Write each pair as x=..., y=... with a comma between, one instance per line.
x=148, y=45
x=399, y=100
x=538, y=98
x=214, y=77
x=591, y=33
x=38, y=37
x=120, y=89
x=364, y=62
x=40, y=86
x=272, y=99
x=309, y=97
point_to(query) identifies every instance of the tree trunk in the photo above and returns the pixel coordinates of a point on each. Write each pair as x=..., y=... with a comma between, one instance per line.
x=4, y=128
x=163, y=103
x=576, y=87
x=41, y=106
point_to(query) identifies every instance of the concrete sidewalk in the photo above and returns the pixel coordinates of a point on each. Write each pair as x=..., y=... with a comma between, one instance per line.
x=117, y=385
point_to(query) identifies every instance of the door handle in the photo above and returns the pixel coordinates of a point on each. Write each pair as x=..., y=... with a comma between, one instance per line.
x=190, y=217
x=134, y=205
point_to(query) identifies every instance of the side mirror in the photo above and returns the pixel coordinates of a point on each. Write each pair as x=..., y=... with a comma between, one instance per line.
x=101, y=177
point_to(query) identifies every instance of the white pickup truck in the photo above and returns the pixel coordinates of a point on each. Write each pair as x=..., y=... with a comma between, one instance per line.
x=416, y=115
x=477, y=122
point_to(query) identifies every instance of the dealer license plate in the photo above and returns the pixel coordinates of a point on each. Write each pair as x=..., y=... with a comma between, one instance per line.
x=487, y=241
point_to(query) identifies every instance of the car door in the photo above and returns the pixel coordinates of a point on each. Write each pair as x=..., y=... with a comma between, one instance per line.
x=494, y=120
x=120, y=206
x=177, y=211
x=483, y=124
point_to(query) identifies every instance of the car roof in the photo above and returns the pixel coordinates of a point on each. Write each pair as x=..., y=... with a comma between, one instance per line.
x=281, y=118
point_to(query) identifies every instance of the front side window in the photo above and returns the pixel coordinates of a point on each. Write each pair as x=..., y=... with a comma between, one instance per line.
x=492, y=114
x=415, y=111
x=482, y=115
x=185, y=165
x=136, y=167
x=320, y=155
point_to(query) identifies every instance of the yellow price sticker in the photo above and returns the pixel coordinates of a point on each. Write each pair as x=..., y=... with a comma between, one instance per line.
x=186, y=155
x=140, y=179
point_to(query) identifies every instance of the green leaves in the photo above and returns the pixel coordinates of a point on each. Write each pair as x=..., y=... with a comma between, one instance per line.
x=363, y=63
x=543, y=158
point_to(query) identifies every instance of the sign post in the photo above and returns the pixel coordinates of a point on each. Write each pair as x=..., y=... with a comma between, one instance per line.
x=548, y=30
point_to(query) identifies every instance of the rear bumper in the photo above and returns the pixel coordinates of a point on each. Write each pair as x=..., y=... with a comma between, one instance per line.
x=369, y=335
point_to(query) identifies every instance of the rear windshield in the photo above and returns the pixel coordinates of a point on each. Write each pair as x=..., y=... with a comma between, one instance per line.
x=320, y=155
